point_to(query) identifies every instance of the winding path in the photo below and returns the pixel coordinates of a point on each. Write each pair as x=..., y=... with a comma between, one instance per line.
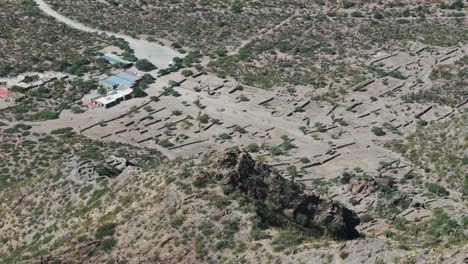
x=157, y=54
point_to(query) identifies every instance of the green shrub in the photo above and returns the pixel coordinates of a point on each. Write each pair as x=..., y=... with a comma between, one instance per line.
x=378, y=131
x=237, y=7
x=276, y=151
x=366, y=218
x=204, y=119
x=353, y=201
x=396, y=74
x=441, y=224
x=107, y=229
x=224, y=136
x=219, y=201
x=252, y=147
x=408, y=175
x=388, y=233
x=144, y=65
x=62, y=131
x=44, y=115
x=84, y=190
x=108, y=244
x=378, y=15
x=200, y=182
x=348, y=4
x=257, y=233
x=96, y=196
x=243, y=98
x=344, y=255
x=421, y=123
x=187, y=73
x=177, y=221
x=356, y=14
x=437, y=189
x=23, y=126
x=11, y=130
x=286, y=239
x=165, y=143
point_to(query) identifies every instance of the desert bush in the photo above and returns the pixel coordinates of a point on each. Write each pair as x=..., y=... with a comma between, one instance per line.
x=107, y=229
x=378, y=131
x=108, y=244
x=252, y=147
x=437, y=189
x=286, y=239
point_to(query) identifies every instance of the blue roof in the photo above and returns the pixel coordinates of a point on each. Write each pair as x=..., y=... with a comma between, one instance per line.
x=121, y=79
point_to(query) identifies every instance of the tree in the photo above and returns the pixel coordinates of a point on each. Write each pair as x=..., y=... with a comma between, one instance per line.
x=252, y=147
x=107, y=229
x=5, y=69
x=102, y=91
x=187, y=73
x=293, y=171
x=148, y=78
x=204, y=119
x=76, y=109
x=378, y=15
x=244, y=53
x=457, y=4
x=144, y=65
x=16, y=88
x=138, y=92
x=356, y=14
x=108, y=244
x=163, y=72
x=348, y=4
x=276, y=151
x=237, y=7
x=173, y=83
x=378, y=131
x=243, y=98
x=437, y=189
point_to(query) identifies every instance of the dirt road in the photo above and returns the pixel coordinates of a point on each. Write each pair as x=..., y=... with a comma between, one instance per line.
x=157, y=54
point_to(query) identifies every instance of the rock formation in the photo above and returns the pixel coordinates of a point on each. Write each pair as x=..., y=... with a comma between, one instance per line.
x=280, y=201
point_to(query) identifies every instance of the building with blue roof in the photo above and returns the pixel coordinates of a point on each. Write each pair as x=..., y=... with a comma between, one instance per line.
x=123, y=80
x=119, y=88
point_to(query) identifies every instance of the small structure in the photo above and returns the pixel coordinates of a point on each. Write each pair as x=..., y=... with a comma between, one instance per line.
x=114, y=59
x=113, y=97
x=3, y=92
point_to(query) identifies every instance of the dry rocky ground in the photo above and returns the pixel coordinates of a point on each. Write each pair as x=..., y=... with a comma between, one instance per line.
x=287, y=132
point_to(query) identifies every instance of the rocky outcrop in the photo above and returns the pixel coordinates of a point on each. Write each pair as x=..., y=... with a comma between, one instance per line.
x=280, y=201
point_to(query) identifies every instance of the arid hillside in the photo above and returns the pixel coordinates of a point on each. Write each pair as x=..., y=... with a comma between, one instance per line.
x=229, y=131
